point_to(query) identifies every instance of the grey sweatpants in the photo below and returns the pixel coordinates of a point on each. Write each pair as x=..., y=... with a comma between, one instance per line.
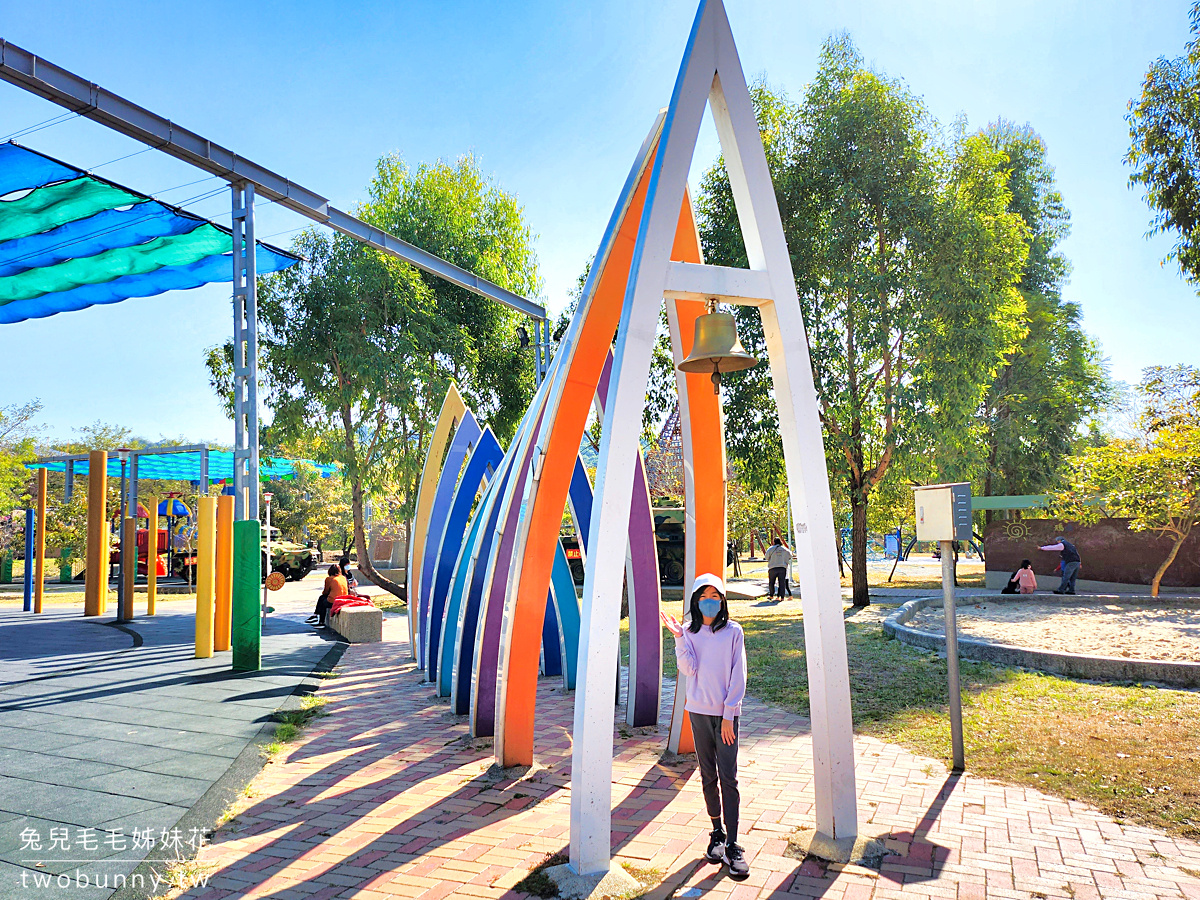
x=718, y=765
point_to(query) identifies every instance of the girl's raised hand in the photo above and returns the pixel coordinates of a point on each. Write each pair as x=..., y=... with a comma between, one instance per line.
x=673, y=624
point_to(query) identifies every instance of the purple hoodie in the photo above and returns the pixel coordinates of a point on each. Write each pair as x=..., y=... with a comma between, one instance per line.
x=715, y=667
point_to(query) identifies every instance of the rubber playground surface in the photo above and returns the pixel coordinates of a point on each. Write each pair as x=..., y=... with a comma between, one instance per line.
x=115, y=741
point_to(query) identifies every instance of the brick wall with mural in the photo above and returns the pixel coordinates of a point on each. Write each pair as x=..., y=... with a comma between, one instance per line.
x=1109, y=550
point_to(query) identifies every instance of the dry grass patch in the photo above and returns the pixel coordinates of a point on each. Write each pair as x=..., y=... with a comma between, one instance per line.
x=1132, y=751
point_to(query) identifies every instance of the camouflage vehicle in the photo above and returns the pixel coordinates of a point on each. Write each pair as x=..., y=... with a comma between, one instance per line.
x=668, y=536
x=293, y=560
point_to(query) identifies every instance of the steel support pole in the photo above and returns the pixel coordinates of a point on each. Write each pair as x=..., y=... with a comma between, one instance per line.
x=70, y=481
x=950, y=615
x=39, y=546
x=537, y=353
x=245, y=356
x=133, y=486
x=121, y=543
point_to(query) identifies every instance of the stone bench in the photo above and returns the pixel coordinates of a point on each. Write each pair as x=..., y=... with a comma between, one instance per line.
x=358, y=624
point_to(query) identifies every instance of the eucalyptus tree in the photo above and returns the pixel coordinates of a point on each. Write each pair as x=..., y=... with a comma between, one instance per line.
x=1163, y=124
x=1055, y=379
x=906, y=260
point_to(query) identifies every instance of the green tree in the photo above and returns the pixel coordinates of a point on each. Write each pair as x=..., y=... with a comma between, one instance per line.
x=357, y=349
x=1163, y=124
x=906, y=258
x=99, y=436
x=309, y=507
x=1055, y=380
x=18, y=439
x=1152, y=479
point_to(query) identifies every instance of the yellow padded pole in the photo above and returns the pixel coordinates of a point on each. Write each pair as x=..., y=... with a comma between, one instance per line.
x=129, y=565
x=95, y=585
x=224, y=573
x=151, y=555
x=206, y=540
x=39, y=547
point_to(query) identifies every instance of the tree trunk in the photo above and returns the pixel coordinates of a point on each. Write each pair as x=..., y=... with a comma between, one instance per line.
x=360, y=543
x=356, y=504
x=1166, y=564
x=858, y=547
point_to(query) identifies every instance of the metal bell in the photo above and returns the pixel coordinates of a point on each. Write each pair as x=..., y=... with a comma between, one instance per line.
x=716, y=348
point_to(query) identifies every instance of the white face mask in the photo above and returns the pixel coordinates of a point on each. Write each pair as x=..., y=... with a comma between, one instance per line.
x=709, y=607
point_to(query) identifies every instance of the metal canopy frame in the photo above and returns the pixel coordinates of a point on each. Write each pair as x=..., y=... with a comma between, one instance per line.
x=54, y=83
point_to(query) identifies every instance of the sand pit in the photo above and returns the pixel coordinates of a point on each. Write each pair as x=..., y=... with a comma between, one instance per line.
x=1097, y=626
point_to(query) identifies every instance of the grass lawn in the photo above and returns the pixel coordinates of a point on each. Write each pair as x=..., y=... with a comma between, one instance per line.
x=1134, y=752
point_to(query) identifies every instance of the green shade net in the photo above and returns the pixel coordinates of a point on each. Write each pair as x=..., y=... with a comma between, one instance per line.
x=175, y=250
x=70, y=240
x=51, y=206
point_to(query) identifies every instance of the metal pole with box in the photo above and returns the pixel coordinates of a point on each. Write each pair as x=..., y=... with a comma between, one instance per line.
x=944, y=515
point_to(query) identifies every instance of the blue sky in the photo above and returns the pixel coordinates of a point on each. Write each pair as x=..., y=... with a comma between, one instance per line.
x=554, y=98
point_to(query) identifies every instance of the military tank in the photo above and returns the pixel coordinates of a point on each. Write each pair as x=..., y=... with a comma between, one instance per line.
x=668, y=538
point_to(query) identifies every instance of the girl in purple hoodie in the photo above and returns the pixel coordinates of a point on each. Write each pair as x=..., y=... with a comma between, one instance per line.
x=711, y=654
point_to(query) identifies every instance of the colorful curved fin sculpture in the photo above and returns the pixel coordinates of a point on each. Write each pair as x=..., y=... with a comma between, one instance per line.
x=465, y=438
x=448, y=418
x=504, y=597
x=483, y=460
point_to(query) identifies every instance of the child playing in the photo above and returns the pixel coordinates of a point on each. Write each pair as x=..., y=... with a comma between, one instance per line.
x=711, y=654
x=1026, y=578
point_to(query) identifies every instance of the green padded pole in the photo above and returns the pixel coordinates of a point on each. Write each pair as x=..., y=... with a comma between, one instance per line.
x=247, y=579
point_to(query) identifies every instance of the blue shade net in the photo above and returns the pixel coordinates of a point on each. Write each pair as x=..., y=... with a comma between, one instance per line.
x=57, y=215
x=185, y=466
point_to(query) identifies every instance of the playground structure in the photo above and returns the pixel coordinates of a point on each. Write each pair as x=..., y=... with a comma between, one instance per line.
x=508, y=564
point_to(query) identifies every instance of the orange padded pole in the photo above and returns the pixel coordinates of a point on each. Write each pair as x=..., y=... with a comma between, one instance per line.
x=224, y=573
x=95, y=585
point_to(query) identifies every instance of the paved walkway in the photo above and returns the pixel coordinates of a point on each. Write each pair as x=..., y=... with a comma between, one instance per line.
x=387, y=797
x=109, y=729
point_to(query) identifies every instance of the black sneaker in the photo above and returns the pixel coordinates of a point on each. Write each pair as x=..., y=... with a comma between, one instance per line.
x=312, y=620
x=735, y=859
x=716, y=847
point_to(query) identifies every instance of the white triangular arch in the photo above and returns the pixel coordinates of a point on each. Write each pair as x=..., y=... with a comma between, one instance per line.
x=711, y=75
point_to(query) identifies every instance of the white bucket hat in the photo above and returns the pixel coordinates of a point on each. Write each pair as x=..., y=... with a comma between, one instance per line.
x=703, y=581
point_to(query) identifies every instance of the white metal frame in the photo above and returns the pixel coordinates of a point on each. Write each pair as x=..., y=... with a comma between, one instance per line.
x=711, y=73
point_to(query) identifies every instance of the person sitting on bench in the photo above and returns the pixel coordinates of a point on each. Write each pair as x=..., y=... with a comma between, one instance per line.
x=335, y=586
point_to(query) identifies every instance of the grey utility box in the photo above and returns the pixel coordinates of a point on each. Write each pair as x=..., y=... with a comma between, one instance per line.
x=943, y=512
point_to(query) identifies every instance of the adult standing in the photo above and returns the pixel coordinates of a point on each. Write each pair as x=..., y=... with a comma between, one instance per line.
x=779, y=557
x=1069, y=557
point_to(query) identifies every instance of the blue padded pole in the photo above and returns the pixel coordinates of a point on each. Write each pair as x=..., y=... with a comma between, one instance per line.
x=29, y=562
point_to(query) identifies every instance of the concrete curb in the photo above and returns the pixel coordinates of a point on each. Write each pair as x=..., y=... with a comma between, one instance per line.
x=1073, y=665
x=224, y=790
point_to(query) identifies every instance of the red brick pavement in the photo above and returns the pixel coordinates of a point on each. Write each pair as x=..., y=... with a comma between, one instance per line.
x=387, y=797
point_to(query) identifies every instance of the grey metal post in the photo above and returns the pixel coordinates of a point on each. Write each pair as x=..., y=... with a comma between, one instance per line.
x=245, y=355
x=133, y=485
x=956, y=732
x=69, y=489
x=121, y=574
x=203, y=472
x=537, y=353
